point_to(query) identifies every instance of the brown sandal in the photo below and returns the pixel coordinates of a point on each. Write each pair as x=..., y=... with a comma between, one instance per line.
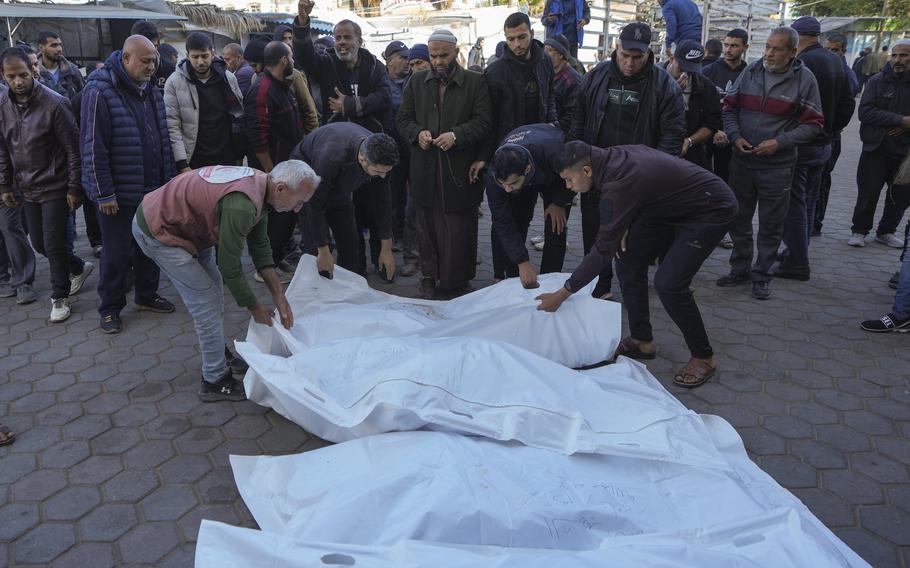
x=628, y=349
x=7, y=436
x=694, y=374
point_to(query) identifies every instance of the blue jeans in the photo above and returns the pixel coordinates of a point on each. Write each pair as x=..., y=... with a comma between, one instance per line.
x=807, y=179
x=901, y=307
x=199, y=284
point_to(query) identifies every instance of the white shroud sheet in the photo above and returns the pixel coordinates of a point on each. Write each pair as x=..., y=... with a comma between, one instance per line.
x=361, y=387
x=583, y=332
x=368, y=500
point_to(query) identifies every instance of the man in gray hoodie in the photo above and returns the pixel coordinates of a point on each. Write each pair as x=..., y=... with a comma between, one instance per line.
x=773, y=107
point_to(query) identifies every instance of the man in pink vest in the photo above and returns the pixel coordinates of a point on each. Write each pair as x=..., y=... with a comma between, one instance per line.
x=179, y=226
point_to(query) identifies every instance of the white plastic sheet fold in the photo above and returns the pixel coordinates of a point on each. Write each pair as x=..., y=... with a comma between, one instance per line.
x=583, y=332
x=360, y=387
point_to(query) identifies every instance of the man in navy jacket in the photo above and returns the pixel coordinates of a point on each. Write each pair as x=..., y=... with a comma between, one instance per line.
x=126, y=153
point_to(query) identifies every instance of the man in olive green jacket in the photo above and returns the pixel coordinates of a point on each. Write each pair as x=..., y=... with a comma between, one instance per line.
x=446, y=116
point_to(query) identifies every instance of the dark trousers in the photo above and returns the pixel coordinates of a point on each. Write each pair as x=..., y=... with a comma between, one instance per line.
x=769, y=190
x=363, y=215
x=590, y=225
x=339, y=216
x=47, y=228
x=119, y=251
x=721, y=156
x=17, y=259
x=683, y=249
x=92, y=229
x=807, y=178
x=824, y=190
x=448, y=246
x=281, y=231
x=554, y=247
x=874, y=171
x=398, y=180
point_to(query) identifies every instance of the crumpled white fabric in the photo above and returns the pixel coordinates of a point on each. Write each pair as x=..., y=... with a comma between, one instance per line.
x=771, y=540
x=355, y=388
x=583, y=332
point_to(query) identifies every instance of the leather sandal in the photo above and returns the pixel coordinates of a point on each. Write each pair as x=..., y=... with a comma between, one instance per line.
x=628, y=349
x=694, y=374
x=7, y=436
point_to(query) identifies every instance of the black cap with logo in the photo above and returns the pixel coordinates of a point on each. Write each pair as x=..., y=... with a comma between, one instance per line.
x=635, y=36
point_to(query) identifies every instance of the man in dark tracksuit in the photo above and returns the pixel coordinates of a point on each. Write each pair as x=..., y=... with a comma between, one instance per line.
x=523, y=167
x=838, y=104
x=884, y=116
x=343, y=155
x=626, y=100
x=652, y=204
x=521, y=92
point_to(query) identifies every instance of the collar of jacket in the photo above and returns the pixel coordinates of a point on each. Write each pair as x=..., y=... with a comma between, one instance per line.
x=643, y=74
x=758, y=67
x=889, y=75
x=64, y=65
x=39, y=91
x=536, y=52
x=457, y=76
x=118, y=76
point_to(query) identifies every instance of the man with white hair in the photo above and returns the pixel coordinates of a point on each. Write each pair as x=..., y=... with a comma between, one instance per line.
x=772, y=108
x=179, y=226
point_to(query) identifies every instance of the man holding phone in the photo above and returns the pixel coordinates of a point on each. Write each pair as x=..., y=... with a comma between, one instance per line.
x=773, y=107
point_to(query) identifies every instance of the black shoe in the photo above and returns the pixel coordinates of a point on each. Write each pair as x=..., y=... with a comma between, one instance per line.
x=732, y=280
x=225, y=388
x=427, y=288
x=235, y=362
x=761, y=290
x=894, y=280
x=110, y=323
x=157, y=304
x=791, y=272
x=888, y=322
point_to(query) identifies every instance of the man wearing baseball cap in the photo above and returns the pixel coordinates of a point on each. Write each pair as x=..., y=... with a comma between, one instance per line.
x=626, y=100
x=838, y=104
x=703, y=116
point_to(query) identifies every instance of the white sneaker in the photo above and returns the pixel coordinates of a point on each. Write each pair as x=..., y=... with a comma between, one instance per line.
x=539, y=246
x=537, y=239
x=60, y=310
x=76, y=281
x=857, y=240
x=890, y=240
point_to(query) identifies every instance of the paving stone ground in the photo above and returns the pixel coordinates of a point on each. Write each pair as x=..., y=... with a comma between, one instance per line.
x=117, y=461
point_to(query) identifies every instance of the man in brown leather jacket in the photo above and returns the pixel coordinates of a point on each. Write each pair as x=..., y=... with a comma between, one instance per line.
x=39, y=157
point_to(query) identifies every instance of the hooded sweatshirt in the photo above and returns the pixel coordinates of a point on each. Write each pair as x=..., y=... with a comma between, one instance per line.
x=763, y=105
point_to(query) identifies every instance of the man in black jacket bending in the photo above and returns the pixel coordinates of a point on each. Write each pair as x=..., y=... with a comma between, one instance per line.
x=653, y=204
x=523, y=167
x=626, y=100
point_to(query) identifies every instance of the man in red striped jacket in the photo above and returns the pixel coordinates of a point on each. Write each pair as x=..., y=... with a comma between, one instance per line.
x=773, y=107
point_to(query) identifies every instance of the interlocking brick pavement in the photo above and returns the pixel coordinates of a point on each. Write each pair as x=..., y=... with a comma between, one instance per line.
x=117, y=461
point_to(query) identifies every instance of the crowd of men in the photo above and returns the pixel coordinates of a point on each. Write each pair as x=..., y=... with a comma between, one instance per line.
x=302, y=145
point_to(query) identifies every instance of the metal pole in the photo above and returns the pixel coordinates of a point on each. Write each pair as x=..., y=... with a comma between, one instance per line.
x=9, y=33
x=881, y=28
x=705, y=22
x=608, y=43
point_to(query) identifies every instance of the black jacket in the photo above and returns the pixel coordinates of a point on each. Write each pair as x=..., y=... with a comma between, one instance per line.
x=331, y=151
x=885, y=100
x=505, y=78
x=838, y=101
x=639, y=183
x=372, y=99
x=703, y=110
x=722, y=75
x=565, y=89
x=660, y=122
x=272, y=119
x=544, y=143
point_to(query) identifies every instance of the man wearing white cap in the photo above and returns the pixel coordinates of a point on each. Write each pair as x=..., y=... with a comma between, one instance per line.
x=445, y=119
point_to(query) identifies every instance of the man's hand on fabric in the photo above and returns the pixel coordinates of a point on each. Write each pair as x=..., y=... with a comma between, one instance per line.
x=528, y=275
x=284, y=311
x=261, y=315
x=550, y=302
x=324, y=261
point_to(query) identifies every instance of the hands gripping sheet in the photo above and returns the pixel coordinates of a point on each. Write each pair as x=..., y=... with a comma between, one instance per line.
x=583, y=332
x=465, y=443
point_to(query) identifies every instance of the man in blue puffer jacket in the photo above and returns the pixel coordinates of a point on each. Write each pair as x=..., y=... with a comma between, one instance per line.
x=126, y=153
